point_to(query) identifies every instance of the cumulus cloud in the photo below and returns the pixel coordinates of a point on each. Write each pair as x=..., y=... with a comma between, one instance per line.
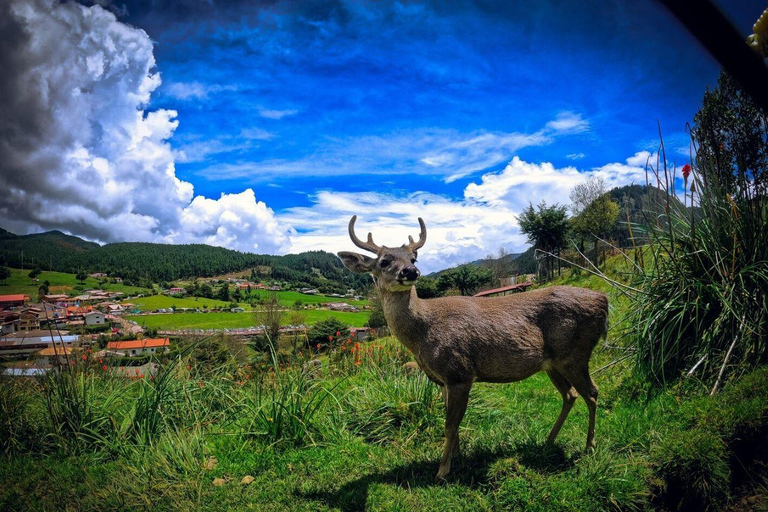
x=459, y=230
x=78, y=149
x=568, y=122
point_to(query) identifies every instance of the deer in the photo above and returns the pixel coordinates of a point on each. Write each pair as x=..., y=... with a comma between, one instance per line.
x=457, y=340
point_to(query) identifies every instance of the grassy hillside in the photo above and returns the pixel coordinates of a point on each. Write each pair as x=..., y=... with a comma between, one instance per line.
x=227, y=320
x=143, y=262
x=61, y=282
x=374, y=444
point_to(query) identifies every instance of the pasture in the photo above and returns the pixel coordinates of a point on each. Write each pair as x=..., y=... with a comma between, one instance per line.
x=227, y=320
x=60, y=282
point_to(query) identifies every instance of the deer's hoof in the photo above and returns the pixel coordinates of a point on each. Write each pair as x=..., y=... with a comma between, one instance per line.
x=442, y=473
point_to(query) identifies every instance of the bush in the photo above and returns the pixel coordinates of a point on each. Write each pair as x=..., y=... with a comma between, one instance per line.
x=326, y=332
x=704, y=300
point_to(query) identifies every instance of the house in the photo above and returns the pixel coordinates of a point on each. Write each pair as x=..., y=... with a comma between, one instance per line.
x=340, y=306
x=139, y=347
x=13, y=301
x=98, y=275
x=9, y=321
x=54, y=298
x=94, y=318
x=29, y=319
x=77, y=312
x=176, y=290
x=505, y=290
x=115, y=309
x=54, y=355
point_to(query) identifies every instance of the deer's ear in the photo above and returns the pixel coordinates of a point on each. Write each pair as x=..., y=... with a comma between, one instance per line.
x=357, y=263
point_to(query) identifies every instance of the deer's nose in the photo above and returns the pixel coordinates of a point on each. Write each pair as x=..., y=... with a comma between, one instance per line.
x=410, y=273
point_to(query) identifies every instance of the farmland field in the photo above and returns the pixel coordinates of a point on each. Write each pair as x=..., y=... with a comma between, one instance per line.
x=286, y=298
x=60, y=282
x=226, y=320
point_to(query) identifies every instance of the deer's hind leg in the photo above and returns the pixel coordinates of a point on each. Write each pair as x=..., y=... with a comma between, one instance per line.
x=582, y=381
x=569, y=398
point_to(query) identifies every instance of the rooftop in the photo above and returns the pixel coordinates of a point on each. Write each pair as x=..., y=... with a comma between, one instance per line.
x=147, y=343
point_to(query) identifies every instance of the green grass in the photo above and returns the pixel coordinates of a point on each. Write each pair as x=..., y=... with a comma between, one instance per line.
x=226, y=320
x=286, y=299
x=368, y=437
x=154, y=302
x=19, y=282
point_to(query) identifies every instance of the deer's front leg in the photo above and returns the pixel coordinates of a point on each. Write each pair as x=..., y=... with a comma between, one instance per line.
x=457, y=396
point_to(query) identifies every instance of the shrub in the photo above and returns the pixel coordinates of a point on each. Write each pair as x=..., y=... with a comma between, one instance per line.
x=327, y=332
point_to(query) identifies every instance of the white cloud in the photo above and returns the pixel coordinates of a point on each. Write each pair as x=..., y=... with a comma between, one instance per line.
x=195, y=90
x=81, y=153
x=575, y=156
x=277, y=114
x=568, y=122
x=458, y=230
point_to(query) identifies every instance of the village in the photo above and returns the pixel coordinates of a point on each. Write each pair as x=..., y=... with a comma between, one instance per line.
x=60, y=328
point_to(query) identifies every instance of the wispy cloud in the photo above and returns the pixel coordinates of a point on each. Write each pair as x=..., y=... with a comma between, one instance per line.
x=277, y=114
x=438, y=152
x=195, y=90
x=576, y=156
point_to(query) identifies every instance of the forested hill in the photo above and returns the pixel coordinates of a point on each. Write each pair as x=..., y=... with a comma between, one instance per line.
x=135, y=261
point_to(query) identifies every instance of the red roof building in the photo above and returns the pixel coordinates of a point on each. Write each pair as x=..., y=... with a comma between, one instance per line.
x=138, y=347
x=13, y=301
x=504, y=290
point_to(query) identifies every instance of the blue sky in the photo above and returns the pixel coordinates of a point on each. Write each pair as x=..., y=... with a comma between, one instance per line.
x=459, y=112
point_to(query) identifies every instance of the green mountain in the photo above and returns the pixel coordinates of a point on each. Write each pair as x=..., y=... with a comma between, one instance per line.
x=136, y=261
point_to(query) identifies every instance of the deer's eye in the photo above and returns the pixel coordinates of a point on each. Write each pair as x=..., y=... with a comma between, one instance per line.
x=413, y=260
x=384, y=263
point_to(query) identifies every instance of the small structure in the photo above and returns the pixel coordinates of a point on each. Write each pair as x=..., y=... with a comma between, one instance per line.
x=139, y=347
x=94, y=318
x=53, y=355
x=360, y=333
x=13, y=301
x=29, y=319
x=54, y=298
x=9, y=321
x=505, y=290
x=176, y=291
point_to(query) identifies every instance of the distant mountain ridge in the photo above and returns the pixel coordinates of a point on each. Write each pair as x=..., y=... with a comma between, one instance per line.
x=54, y=250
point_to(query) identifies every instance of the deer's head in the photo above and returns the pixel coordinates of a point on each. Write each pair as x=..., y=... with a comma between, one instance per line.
x=393, y=269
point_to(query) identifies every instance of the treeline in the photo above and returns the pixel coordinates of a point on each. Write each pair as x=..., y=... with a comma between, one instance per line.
x=137, y=262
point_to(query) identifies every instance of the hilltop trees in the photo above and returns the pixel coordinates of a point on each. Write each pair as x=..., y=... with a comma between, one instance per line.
x=547, y=228
x=4, y=274
x=467, y=279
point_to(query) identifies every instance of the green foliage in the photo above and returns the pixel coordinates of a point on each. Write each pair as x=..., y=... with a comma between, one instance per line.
x=5, y=273
x=35, y=272
x=81, y=276
x=467, y=279
x=547, y=229
x=377, y=319
x=327, y=332
x=394, y=408
x=426, y=288
x=223, y=294
x=596, y=221
x=704, y=300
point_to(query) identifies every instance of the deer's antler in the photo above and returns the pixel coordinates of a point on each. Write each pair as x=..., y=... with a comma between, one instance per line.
x=422, y=237
x=369, y=245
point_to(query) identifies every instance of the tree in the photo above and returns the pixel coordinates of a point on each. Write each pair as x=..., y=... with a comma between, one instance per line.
x=596, y=221
x=377, y=318
x=732, y=136
x=269, y=314
x=327, y=332
x=237, y=296
x=5, y=273
x=500, y=264
x=81, y=276
x=205, y=290
x=224, y=293
x=426, y=288
x=467, y=279
x=35, y=272
x=547, y=228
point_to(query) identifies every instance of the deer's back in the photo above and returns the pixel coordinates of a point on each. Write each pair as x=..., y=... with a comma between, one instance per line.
x=511, y=337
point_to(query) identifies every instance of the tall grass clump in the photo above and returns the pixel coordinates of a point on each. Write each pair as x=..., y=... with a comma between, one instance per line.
x=703, y=308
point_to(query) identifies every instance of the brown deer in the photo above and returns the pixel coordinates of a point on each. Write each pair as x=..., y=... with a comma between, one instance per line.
x=458, y=341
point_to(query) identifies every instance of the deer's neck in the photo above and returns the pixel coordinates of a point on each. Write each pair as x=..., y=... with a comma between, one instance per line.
x=404, y=317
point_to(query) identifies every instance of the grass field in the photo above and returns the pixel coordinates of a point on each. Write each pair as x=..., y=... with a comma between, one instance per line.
x=226, y=320
x=19, y=282
x=373, y=443
x=286, y=298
